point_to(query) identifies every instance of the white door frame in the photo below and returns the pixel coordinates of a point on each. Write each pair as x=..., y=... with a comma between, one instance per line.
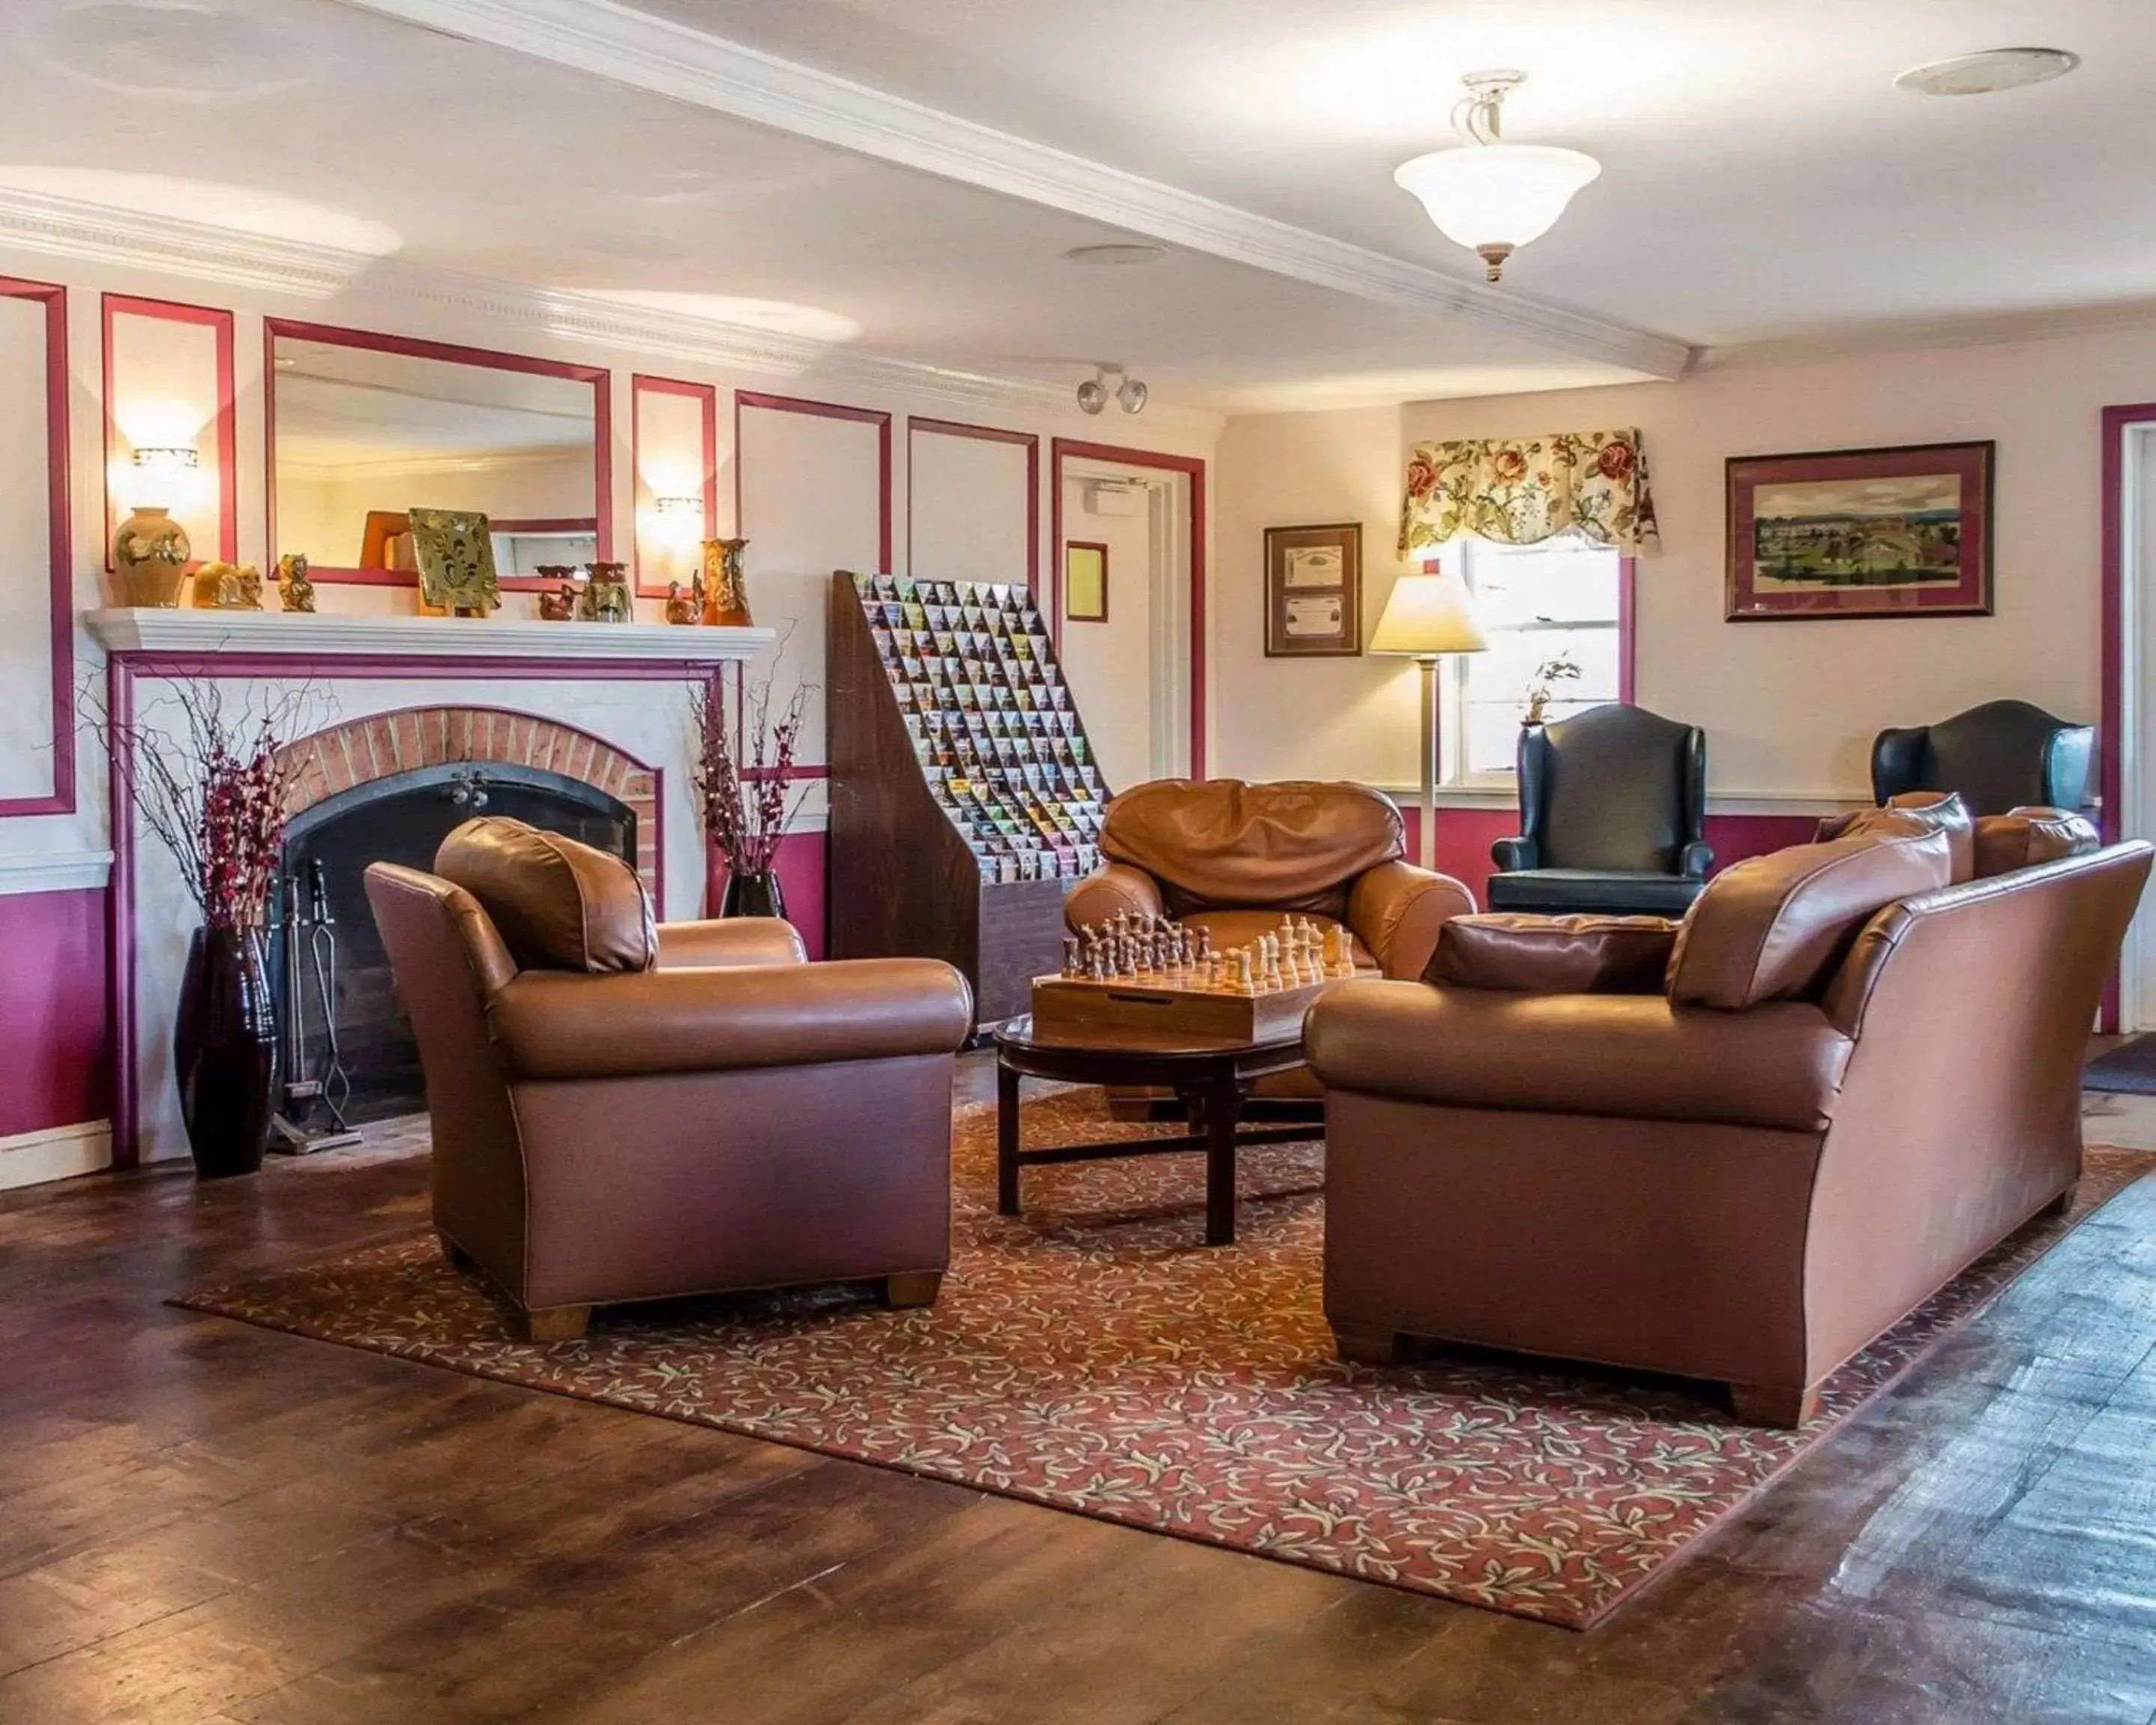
x=2136, y=576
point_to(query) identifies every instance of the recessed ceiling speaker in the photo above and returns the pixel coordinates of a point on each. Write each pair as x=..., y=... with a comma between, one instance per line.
x=1995, y=69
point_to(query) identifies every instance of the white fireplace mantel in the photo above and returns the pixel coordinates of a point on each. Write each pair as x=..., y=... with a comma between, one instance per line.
x=308, y=635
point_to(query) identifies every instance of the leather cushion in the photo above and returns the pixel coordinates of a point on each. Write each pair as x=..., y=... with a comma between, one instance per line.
x=1616, y=892
x=1774, y=927
x=2022, y=838
x=1626, y=1056
x=1943, y=809
x=1554, y=955
x=559, y=905
x=1222, y=842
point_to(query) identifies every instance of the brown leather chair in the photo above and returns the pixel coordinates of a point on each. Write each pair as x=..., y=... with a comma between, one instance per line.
x=1234, y=859
x=1737, y=1148
x=623, y=1112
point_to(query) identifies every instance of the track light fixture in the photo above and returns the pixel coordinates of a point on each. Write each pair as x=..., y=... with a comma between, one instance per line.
x=1130, y=394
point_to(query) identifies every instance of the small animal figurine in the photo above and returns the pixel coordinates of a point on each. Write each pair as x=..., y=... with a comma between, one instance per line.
x=294, y=591
x=726, y=603
x=685, y=606
x=227, y=587
x=607, y=597
x=559, y=606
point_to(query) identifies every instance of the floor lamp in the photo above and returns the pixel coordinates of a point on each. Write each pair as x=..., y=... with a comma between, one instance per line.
x=1427, y=616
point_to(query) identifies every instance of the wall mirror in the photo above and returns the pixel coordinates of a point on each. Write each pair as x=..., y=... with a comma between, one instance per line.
x=364, y=427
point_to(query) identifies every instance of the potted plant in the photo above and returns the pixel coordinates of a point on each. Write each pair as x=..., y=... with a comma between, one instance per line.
x=212, y=788
x=1562, y=668
x=745, y=775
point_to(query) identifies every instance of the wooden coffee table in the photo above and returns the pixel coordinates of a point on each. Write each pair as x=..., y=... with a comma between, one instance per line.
x=1212, y=1077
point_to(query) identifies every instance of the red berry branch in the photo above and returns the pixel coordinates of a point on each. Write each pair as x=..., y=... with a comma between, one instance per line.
x=212, y=788
x=745, y=770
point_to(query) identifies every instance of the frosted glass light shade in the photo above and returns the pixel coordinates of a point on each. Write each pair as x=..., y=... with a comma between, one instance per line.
x=1429, y=615
x=1501, y=195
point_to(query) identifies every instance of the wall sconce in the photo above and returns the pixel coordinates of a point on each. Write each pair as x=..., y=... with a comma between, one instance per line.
x=164, y=474
x=677, y=521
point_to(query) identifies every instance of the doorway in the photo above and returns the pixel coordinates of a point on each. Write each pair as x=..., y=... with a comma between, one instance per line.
x=2127, y=752
x=1130, y=630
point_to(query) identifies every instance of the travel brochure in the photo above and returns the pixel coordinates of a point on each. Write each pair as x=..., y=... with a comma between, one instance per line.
x=992, y=722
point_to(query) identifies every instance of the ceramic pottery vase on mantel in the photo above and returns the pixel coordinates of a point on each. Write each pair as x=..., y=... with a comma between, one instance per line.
x=150, y=552
x=756, y=894
x=224, y=1049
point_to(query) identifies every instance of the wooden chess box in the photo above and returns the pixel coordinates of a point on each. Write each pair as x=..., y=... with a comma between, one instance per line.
x=1162, y=1006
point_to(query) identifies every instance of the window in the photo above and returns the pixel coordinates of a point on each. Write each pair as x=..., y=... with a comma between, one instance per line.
x=1552, y=615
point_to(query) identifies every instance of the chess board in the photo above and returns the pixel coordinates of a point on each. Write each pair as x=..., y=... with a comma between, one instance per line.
x=1161, y=1003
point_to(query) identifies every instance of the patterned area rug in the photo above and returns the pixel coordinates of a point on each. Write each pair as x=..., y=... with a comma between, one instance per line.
x=1092, y=1357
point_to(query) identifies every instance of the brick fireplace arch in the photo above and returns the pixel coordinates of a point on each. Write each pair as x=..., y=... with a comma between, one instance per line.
x=358, y=752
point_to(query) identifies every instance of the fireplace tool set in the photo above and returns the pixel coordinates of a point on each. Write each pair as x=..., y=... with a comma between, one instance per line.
x=311, y=947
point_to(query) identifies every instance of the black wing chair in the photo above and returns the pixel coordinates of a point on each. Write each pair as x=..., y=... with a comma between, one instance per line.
x=1613, y=806
x=2001, y=755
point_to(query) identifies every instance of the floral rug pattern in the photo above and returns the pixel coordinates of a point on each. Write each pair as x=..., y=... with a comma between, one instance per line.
x=1091, y=1355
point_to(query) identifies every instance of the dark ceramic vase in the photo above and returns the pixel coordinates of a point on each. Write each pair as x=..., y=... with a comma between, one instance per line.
x=225, y=1049
x=752, y=896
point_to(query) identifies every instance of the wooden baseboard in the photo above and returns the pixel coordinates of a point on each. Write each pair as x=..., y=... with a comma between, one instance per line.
x=59, y=1152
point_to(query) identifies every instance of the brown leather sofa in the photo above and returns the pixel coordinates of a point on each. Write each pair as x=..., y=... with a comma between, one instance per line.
x=627, y=1111
x=1736, y=1148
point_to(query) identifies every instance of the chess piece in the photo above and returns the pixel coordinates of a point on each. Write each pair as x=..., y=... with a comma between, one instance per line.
x=1244, y=983
x=1070, y=956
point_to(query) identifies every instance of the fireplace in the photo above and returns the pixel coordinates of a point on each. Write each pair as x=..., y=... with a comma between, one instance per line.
x=389, y=790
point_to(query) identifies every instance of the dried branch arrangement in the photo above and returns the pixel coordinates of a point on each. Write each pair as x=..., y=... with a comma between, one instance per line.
x=745, y=769
x=212, y=785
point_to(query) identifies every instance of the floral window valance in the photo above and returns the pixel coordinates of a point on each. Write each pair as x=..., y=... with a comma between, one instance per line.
x=1521, y=490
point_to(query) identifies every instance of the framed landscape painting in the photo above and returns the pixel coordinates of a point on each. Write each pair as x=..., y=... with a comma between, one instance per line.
x=1899, y=533
x=1314, y=591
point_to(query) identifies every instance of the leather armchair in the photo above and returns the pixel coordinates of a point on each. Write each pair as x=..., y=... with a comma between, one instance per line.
x=1236, y=857
x=2002, y=755
x=625, y=1113
x=1613, y=817
x=1844, y=1082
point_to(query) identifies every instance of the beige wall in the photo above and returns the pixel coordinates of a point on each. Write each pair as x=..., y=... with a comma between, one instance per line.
x=1790, y=707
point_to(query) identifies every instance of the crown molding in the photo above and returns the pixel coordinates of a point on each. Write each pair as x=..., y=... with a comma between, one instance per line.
x=670, y=59
x=60, y=227
x=1975, y=330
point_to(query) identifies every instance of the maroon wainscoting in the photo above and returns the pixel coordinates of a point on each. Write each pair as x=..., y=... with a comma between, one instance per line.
x=801, y=878
x=1464, y=836
x=59, y=1069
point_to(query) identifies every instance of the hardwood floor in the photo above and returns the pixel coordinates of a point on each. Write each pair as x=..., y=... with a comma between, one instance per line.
x=205, y=1524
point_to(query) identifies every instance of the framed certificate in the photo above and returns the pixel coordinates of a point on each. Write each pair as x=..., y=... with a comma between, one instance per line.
x=1314, y=591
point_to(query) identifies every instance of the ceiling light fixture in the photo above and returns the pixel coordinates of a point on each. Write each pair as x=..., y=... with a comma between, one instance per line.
x=1993, y=69
x=1487, y=195
x=1131, y=394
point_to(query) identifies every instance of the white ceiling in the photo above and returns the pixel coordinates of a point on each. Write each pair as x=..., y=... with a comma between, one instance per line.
x=1761, y=180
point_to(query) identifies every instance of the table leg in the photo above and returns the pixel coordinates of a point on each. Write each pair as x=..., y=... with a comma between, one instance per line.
x=1224, y=1106
x=1006, y=1140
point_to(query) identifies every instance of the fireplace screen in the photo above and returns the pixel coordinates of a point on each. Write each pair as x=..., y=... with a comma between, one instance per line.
x=402, y=818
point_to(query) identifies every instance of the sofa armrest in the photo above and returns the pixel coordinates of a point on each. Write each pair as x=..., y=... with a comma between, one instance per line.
x=1512, y=855
x=1629, y=1056
x=1397, y=910
x=1554, y=955
x=554, y=1025
x=1112, y=887
x=730, y=941
x=1695, y=859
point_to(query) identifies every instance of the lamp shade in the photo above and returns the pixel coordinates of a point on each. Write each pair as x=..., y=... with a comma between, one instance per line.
x=1499, y=195
x=1429, y=615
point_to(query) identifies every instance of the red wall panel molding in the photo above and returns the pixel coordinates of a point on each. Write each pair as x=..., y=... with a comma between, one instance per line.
x=58, y=551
